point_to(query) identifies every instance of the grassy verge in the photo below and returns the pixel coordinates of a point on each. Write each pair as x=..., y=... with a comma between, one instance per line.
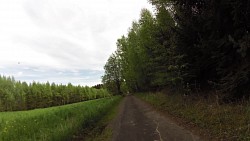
x=101, y=131
x=222, y=122
x=52, y=124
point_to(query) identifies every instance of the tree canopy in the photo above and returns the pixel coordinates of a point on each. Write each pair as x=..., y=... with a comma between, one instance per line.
x=16, y=95
x=200, y=43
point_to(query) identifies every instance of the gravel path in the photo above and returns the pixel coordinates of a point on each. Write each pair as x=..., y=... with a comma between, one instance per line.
x=137, y=121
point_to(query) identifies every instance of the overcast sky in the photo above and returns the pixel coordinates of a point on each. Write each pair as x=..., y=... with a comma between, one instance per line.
x=62, y=41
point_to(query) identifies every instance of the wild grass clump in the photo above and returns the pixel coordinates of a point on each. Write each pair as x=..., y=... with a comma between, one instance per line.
x=223, y=122
x=102, y=130
x=52, y=124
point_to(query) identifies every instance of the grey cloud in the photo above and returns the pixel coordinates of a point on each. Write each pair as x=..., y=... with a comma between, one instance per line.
x=88, y=26
x=67, y=18
x=76, y=35
x=30, y=74
x=62, y=50
x=45, y=14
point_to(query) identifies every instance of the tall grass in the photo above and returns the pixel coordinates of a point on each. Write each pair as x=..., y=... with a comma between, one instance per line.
x=102, y=130
x=52, y=124
x=223, y=122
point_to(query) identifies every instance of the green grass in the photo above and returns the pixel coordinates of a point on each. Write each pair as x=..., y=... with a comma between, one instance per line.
x=101, y=130
x=52, y=124
x=226, y=122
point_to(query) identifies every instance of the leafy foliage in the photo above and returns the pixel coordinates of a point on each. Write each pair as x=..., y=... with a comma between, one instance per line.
x=197, y=44
x=112, y=78
x=16, y=95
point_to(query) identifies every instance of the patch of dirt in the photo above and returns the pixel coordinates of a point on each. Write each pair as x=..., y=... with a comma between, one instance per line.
x=137, y=121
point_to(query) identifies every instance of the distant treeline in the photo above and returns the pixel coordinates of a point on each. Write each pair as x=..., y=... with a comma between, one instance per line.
x=186, y=45
x=16, y=95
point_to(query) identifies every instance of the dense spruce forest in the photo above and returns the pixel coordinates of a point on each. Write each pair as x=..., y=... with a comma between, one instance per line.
x=16, y=95
x=187, y=45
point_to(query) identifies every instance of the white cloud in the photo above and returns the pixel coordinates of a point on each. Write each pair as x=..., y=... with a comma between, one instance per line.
x=61, y=36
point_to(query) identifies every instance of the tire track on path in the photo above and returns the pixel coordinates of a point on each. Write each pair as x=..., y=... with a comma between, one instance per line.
x=137, y=121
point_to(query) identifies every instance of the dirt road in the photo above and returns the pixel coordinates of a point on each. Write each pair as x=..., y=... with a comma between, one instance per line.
x=137, y=121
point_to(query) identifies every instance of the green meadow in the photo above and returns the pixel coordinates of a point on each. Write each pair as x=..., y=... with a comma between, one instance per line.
x=55, y=123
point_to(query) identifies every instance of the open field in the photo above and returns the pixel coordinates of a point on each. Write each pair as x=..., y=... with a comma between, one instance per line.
x=226, y=121
x=52, y=124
